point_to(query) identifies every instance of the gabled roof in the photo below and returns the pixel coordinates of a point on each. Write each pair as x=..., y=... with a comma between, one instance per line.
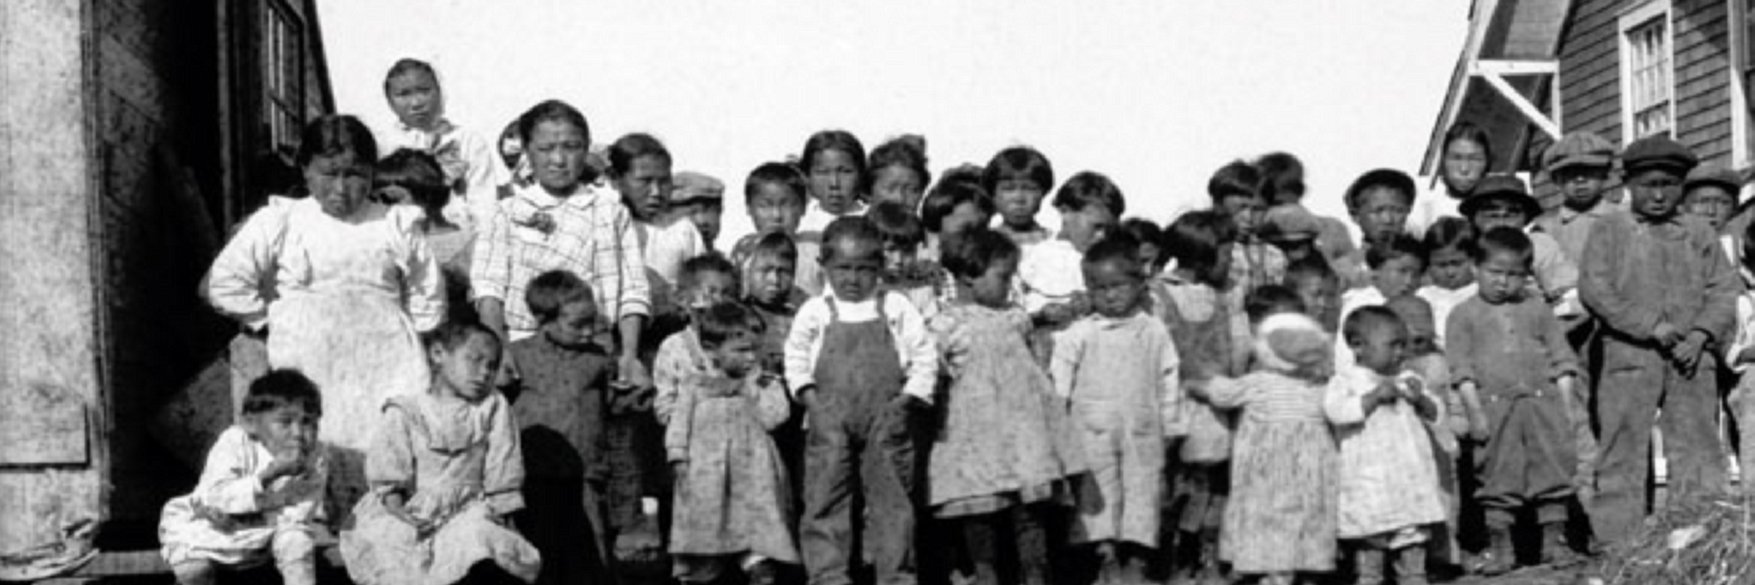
x=1515, y=31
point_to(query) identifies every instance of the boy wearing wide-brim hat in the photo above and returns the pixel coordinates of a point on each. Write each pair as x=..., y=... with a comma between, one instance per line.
x=1664, y=294
x=1579, y=165
x=1503, y=201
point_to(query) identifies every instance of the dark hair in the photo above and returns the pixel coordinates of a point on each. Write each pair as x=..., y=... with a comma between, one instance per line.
x=898, y=225
x=780, y=173
x=283, y=387
x=1281, y=175
x=416, y=171
x=952, y=191
x=1401, y=304
x=628, y=148
x=857, y=228
x=1451, y=233
x=775, y=242
x=1117, y=246
x=726, y=321
x=1365, y=319
x=1391, y=179
x=841, y=140
x=453, y=333
x=1236, y=178
x=709, y=262
x=977, y=251
x=1090, y=188
x=1143, y=230
x=549, y=291
x=1196, y=239
x=907, y=151
x=1472, y=133
x=556, y=111
x=405, y=65
x=1272, y=299
x=1504, y=239
x=1313, y=266
x=336, y=134
x=1402, y=245
x=1018, y=162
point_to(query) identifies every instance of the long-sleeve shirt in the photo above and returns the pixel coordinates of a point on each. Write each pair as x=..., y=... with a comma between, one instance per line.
x=593, y=236
x=470, y=162
x=1510, y=348
x=1639, y=273
x=232, y=516
x=1571, y=228
x=1049, y=272
x=914, y=344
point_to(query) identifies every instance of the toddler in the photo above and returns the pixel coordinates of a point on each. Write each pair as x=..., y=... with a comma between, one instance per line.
x=732, y=495
x=956, y=204
x=1396, y=268
x=1118, y=370
x=445, y=471
x=861, y=361
x=1389, y=490
x=897, y=171
x=1019, y=177
x=920, y=280
x=1446, y=430
x=1450, y=276
x=260, y=496
x=1000, y=459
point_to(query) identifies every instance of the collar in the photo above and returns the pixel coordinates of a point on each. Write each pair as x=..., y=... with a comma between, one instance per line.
x=440, y=128
x=582, y=197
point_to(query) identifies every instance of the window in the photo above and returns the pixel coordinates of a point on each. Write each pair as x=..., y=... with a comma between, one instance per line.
x=282, y=67
x=1647, y=72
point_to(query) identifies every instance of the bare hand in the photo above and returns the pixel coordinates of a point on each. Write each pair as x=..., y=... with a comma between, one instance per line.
x=508, y=375
x=807, y=396
x=393, y=504
x=632, y=372
x=1080, y=304
x=286, y=463
x=1478, y=431
x=1687, y=352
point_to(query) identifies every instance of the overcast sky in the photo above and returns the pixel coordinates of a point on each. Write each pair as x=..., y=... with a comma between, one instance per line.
x=1156, y=94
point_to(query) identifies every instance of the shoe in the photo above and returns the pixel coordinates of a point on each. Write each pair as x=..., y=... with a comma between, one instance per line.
x=1555, y=549
x=1210, y=571
x=1410, y=565
x=1500, y=557
x=763, y=573
x=1368, y=565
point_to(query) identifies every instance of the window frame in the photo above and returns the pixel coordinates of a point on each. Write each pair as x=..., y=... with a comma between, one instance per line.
x=280, y=61
x=1631, y=21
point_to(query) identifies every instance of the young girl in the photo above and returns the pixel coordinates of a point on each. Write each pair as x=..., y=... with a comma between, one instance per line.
x=1450, y=275
x=897, y=172
x=472, y=172
x=1118, y=369
x=1389, y=491
x=919, y=279
x=1019, y=177
x=732, y=496
x=261, y=492
x=834, y=167
x=445, y=471
x=639, y=168
x=1005, y=446
x=1281, y=518
x=414, y=178
x=956, y=204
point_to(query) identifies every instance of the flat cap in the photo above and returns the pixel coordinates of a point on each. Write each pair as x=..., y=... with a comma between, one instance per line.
x=1658, y=152
x=1579, y=149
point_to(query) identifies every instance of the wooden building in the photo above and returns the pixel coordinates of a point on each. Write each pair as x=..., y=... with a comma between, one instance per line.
x=132, y=134
x=1624, y=69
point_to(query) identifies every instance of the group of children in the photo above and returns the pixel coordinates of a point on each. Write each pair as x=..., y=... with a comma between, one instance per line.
x=928, y=381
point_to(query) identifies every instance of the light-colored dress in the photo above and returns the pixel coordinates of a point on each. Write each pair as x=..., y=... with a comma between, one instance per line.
x=734, y=496
x=1281, y=514
x=1005, y=437
x=342, y=302
x=1121, y=378
x=1388, y=477
x=233, y=519
x=460, y=465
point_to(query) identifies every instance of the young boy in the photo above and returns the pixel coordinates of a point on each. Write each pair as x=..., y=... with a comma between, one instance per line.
x=1502, y=201
x=1378, y=201
x=561, y=402
x=1512, y=364
x=774, y=194
x=1397, y=265
x=1019, y=177
x=1579, y=164
x=700, y=198
x=861, y=361
x=1663, y=292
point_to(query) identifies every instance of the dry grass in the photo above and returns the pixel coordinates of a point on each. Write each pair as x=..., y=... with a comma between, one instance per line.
x=1693, y=541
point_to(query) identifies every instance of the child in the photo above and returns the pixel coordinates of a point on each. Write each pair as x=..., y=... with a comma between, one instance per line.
x=1150, y=237
x=1467, y=157
x=414, y=178
x=1662, y=291
x=1235, y=191
x=1048, y=273
x=834, y=163
x=560, y=404
x=1502, y=201
x=860, y=360
x=1426, y=359
x=769, y=289
x=732, y=496
x=1118, y=370
x=1515, y=371
x=1396, y=268
x=445, y=472
x=1293, y=231
x=1389, y=490
x=639, y=168
x=701, y=199
x=1738, y=355
x=707, y=281
x=260, y=497
x=1281, y=517
x=1006, y=446
x=1320, y=289
x=919, y=280
x=956, y=204
x=1450, y=249
x=1282, y=185
x=1019, y=177
x=1579, y=164
x=472, y=172
x=897, y=171
x=1378, y=201
x=774, y=194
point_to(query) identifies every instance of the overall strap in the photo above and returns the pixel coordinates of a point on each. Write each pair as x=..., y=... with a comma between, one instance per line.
x=834, y=313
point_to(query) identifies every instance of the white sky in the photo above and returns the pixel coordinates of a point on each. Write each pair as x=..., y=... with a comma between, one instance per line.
x=1156, y=94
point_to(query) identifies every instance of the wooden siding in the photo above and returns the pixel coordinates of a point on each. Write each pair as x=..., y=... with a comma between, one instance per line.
x=1703, y=115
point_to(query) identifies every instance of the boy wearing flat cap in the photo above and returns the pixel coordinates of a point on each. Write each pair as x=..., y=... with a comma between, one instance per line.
x=1503, y=201
x=1664, y=294
x=1710, y=193
x=1579, y=165
x=700, y=198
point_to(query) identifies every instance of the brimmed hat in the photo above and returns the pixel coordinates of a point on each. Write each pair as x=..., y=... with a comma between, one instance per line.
x=1289, y=223
x=1658, y=152
x=1501, y=188
x=690, y=186
x=1714, y=175
x=1579, y=149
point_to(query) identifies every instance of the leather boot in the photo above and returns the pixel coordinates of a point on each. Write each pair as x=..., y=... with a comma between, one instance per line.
x=1555, y=549
x=1410, y=565
x=1501, y=555
x=1368, y=564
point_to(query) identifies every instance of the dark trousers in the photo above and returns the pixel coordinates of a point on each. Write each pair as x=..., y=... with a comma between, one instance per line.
x=556, y=522
x=1009, y=546
x=859, y=451
x=1637, y=380
x=1528, y=459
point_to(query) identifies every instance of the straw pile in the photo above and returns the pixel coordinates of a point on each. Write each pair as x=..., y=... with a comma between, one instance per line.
x=1696, y=541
